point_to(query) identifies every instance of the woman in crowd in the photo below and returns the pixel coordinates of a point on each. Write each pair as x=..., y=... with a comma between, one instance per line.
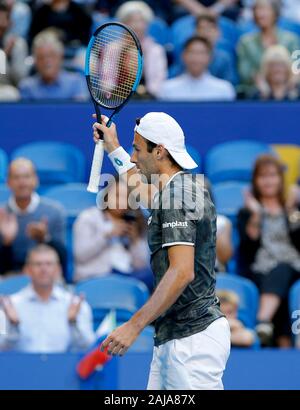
x=138, y=15
x=276, y=80
x=269, y=251
x=253, y=45
x=110, y=238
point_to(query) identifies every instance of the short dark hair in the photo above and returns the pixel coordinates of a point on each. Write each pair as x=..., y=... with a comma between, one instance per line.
x=4, y=7
x=207, y=17
x=151, y=145
x=195, y=39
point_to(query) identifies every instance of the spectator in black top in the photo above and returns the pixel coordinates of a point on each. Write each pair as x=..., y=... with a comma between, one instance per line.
x=228, y=8
x=269, y=249
x=70, y=20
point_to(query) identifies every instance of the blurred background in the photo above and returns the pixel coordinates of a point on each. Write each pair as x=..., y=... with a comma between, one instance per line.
x=229, y=72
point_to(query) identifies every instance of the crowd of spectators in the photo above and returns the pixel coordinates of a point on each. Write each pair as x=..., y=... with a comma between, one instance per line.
x=254, y=57
x=110, y=238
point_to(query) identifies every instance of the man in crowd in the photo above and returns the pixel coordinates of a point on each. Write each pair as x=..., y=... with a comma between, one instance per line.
x=27, y=219
x=43, y=317
x=51, y=81
x=196, y=83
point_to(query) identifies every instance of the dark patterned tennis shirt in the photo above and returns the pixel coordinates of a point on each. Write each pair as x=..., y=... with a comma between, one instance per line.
x=183, y=213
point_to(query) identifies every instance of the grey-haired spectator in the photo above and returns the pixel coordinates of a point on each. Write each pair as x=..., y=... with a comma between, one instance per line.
x=28, y=219
x=51, y=81
x=138, y=15
x=276, y=80
x=196, y=83
x=15, y=49
x=252, y=46
x=43, y=317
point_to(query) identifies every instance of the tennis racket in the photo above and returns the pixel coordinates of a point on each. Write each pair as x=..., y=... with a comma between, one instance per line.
x=113, y=69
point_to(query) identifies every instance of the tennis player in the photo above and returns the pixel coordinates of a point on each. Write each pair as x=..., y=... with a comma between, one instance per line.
x=192, y=338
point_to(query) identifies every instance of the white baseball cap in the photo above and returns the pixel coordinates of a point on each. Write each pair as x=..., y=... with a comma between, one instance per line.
x=161, y=128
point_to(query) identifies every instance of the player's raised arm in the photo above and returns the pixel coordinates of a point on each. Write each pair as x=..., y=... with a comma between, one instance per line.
x=121, y=160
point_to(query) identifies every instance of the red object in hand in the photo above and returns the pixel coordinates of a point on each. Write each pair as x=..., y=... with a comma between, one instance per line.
x=91, y=361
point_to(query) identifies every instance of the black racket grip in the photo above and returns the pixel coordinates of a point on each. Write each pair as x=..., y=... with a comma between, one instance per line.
x=98, y=115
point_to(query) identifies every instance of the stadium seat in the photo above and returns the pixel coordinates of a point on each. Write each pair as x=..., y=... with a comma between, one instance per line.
x=3, y=165
x=13, y=284
x=124, y=294
x=4, y=193
x=159, y=30
x=289, y=25
x=248, y=296
x=74, y=197
x=234, y=160
x=55, y=162
x=229, y=197
x=194, y=153
x=294, y=297
x=294, y=302
x=290, y=156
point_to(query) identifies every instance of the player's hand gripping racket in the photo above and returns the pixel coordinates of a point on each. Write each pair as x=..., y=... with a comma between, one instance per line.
x=113, y=69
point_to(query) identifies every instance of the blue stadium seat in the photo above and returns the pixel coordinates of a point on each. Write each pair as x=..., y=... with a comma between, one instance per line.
x=248, y=296
x=194, y=153
x=234, y=160
x=294, y=302
x=229, y=197
x=159, y=31
x=230, y=31
x=13, y=284
x=289, y=25
x=4, y=193
x=3, y=165
x=74, y=197
x=56, y=162
x=124, y=294
x=294, y=297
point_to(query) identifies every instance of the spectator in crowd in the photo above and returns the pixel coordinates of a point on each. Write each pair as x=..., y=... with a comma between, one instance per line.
x=269, y=250
x=252, y=46
x=67, y=17
x=43, y=317
x=27, y=219
x=51, y=81
x=221, y=63
x=196, y=83
x=228, y=8
x=276, y=80
x=15, y=49
x=138, y=15
x=110, y=238
x=240, y=335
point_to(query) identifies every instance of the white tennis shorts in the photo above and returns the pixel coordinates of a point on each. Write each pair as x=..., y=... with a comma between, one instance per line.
x=195, y=362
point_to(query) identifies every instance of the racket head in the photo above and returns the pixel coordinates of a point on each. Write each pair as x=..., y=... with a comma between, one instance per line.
x=113, y=65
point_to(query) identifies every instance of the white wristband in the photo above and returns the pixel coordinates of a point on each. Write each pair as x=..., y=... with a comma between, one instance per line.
x=121, y=160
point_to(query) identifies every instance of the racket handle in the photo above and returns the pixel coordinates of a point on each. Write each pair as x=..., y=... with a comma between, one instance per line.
x=95, y=174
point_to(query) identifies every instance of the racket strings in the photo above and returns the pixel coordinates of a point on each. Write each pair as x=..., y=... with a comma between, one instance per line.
x=113, y=66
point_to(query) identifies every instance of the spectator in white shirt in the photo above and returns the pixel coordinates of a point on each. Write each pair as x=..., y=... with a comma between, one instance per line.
x=43, y=317
x=111, y=238
x=196, y=83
